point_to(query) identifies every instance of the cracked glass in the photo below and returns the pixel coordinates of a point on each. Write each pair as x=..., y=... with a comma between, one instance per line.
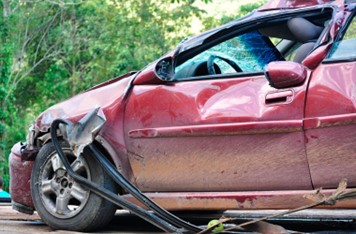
x=251, y=51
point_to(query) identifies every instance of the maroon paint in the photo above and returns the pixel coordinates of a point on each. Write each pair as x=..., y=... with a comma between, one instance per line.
x=20, y=172
x=331, y=127
x=147, y=76
x=111, y=98
x=238, y=200
x=286, y=74
x=220, y=130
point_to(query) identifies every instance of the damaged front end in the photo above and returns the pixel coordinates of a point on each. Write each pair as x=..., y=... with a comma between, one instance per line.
x=30, y=149
x=23, y=155
x=106, y=95
x=21, y=161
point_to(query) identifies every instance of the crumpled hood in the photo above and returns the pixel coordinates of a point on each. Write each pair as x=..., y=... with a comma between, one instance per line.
x=104, y=95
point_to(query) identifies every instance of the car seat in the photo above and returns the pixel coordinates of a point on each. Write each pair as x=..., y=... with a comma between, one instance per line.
x=304, y=32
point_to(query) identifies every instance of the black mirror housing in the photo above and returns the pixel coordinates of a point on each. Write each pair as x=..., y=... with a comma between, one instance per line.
x=164, y=69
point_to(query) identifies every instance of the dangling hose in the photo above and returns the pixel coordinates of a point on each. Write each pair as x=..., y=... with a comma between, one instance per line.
x=107, y=194
x=135, y=192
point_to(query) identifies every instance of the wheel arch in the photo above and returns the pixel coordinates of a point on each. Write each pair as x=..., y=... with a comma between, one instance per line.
x=115, y=156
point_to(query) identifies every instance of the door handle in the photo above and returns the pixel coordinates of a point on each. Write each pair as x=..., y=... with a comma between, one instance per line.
x=279, y=97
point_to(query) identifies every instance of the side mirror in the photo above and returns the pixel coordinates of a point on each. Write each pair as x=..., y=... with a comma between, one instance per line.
x=164, y=69
x=284, y=74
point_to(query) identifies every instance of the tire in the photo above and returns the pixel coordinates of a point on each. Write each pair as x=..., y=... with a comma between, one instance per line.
x=63, y=203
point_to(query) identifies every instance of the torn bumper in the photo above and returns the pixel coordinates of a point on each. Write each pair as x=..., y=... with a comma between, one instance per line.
x=20, y=174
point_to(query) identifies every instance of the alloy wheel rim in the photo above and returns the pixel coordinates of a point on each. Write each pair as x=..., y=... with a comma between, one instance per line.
x=61, y=195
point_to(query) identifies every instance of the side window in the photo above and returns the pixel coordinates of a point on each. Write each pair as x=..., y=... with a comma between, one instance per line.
x=231, y=54
x=345, y=48
x=248, y=52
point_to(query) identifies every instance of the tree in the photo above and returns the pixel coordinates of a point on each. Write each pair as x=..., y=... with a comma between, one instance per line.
x=244, y=9
x=52, y=49
x=5, y=70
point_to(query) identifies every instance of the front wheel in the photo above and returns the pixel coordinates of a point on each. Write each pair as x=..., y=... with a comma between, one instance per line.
x=63, y=203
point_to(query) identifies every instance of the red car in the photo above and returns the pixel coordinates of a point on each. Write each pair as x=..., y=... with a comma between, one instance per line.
x=251, y=115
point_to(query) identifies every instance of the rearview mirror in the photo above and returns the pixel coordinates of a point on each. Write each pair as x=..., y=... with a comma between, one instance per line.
x=284, y=74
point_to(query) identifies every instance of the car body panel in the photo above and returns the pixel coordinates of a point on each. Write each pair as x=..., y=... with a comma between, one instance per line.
x=255, y=200
x=331, y=128
x=110, y=97
x=203, y=128
x=20, y=173
x=106, y=96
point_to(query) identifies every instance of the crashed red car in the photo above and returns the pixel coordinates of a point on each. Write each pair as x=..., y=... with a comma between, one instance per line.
x=251, y=115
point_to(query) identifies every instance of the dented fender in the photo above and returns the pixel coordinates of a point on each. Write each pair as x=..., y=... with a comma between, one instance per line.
x=109, y=96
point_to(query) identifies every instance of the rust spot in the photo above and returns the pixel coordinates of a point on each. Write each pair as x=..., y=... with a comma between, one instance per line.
x=242, y=199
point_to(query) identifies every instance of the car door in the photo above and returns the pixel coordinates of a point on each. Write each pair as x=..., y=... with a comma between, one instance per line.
x=218, y=132
x=331, y=113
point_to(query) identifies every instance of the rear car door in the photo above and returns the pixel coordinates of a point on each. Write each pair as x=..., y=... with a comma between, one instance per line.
x=331, y=113
x=229, y=131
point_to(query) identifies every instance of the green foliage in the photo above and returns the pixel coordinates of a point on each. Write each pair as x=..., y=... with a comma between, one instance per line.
x=214, y=21
x=5, y=65
x=50, y=50
x=247, y=8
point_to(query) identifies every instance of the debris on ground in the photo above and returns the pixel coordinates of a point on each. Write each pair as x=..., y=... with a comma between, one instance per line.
x=260, y=226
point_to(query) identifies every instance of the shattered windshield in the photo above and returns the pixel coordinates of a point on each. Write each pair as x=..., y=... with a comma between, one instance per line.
x=250, y=51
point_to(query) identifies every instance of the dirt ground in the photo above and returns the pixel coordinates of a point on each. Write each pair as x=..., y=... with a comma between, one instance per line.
x=13, y=222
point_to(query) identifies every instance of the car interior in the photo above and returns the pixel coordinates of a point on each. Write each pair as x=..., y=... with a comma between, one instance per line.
x=290, y=38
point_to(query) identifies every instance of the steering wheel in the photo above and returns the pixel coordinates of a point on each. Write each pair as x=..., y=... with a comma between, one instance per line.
x=211, y=68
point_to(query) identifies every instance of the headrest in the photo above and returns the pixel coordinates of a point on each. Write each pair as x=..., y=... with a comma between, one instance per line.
x=304, y=30
x=303, y=51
